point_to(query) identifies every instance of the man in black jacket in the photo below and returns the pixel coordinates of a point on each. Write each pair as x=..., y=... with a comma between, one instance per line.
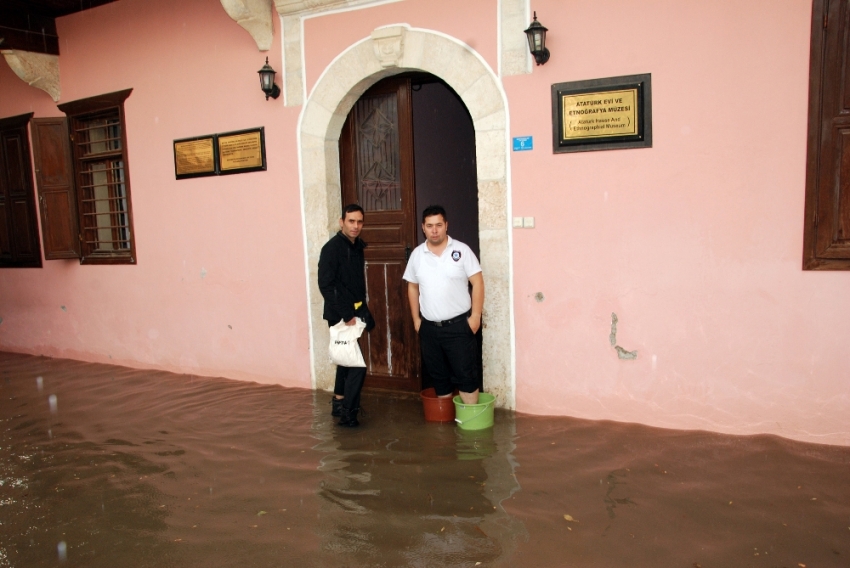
x=342, y=281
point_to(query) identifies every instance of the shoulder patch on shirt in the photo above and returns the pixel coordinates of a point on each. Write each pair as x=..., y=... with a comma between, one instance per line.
x=456, y=255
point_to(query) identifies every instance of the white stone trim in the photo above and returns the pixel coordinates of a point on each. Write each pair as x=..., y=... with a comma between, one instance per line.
x=255, y=16
x=293, y=63
x=38, y=70
x=514, y=57
x=322, y=117
x=292, y=16
x=302, y=7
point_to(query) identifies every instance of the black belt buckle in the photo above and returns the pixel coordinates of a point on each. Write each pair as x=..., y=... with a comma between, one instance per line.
x=448, y=322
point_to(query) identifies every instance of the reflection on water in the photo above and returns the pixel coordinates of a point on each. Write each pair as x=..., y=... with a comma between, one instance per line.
x=107, y=466
x=403, y=492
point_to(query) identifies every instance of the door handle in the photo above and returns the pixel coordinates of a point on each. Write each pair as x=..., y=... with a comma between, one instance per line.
x=406, y=253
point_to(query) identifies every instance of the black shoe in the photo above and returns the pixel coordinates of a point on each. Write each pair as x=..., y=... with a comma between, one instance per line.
x=336, y=406
x=349, y=418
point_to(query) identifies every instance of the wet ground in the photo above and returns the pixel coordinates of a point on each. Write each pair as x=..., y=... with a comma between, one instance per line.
x=103, y=466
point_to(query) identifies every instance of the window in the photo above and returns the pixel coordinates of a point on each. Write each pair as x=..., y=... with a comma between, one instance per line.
x=99, y=154
x=826, y=237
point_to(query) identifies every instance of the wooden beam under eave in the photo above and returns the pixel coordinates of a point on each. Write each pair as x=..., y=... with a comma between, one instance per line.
x=29, y=32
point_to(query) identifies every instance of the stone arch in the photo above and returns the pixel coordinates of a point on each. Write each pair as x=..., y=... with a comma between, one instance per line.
x=389, y=51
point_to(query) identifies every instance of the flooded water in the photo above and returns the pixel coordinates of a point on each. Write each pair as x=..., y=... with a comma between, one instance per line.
x=108, y=466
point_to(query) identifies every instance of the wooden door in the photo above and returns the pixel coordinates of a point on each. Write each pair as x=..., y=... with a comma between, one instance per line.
x=376, y=159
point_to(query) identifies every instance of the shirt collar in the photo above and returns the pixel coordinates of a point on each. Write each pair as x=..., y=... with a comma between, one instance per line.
x=449, y=245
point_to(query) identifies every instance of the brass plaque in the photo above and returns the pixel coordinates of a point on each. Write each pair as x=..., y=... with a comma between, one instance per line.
x=240, y=151
x=610, y=113
x=600, y=115
x=194, y=157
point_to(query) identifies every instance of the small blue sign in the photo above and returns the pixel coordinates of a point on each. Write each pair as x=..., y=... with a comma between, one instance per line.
x=522, y=143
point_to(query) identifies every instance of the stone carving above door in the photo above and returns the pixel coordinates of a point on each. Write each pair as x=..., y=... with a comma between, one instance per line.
x=388, y=44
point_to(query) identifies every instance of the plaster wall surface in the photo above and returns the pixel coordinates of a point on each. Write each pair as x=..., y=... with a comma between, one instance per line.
x=695, y=244
x=20, y=98
x=219, y=284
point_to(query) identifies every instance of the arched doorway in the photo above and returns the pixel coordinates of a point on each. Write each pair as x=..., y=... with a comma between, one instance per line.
x=407, y=143
x=389, y=51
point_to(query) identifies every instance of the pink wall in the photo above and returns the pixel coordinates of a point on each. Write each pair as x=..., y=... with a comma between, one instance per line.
x=695, y=244
x=219, y=286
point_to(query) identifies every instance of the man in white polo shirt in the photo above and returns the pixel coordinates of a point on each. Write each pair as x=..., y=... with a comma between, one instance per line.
x=445, y=316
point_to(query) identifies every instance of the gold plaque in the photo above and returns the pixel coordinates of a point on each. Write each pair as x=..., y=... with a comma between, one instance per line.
x=600, y=115
x=611, y=113
x=194, y=157
x=240, y=151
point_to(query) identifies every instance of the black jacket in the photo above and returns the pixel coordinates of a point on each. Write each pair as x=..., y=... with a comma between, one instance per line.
x=342, y=279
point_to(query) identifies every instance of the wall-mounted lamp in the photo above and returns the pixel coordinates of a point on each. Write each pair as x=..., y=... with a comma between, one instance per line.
x=267, y=81
x=536, y=33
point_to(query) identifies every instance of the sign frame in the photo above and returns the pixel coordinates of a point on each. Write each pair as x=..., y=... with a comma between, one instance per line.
x=183, y=147
x=252, y=156
x=598, y=94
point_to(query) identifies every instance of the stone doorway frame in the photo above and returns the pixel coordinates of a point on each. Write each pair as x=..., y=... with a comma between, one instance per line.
x=391, y=50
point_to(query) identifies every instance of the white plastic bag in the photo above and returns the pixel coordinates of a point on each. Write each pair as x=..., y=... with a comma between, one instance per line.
x=343, y=348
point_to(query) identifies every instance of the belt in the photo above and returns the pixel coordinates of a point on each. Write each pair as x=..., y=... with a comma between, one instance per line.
x=444, y=323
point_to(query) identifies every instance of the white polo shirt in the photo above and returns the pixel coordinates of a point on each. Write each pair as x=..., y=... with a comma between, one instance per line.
x=443, y=280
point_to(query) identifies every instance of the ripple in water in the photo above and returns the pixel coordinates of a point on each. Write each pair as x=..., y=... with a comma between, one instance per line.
x=108, y=466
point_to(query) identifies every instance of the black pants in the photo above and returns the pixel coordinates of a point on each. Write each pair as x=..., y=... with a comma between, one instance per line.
x=349, y=383
x=449, y=353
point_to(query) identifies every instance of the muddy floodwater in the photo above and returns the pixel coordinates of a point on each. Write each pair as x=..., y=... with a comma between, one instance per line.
x=106, y=466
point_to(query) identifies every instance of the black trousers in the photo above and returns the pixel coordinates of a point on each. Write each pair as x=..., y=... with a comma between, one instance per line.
x=349, y=383
x=450, y=356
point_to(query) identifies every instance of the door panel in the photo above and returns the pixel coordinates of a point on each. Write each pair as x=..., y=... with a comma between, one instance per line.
x=5, y=241
x=19, y=242
x=376, y=160
x=23, y=229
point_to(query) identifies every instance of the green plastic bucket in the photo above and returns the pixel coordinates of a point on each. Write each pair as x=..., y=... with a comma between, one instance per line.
x=475, y=416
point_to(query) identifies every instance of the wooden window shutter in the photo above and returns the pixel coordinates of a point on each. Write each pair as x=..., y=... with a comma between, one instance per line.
x=19, y=243
x=54, y=175
x=826, y=237
x=102, y=180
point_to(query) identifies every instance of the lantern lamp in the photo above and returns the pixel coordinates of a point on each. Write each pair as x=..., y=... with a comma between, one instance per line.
x=536, y=34
x=267, y=81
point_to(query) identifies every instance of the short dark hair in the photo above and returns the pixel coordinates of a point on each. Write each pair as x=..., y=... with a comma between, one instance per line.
x=434, y=210
x=351, y=208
